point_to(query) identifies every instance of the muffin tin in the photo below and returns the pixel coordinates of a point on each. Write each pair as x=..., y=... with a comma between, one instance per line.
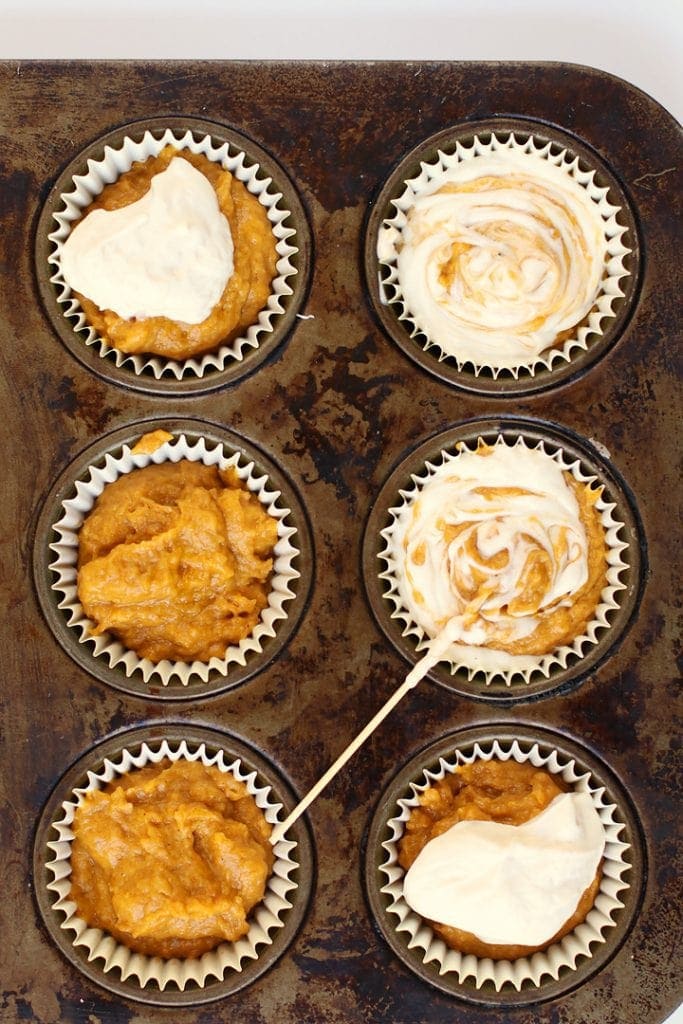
x=335, y=405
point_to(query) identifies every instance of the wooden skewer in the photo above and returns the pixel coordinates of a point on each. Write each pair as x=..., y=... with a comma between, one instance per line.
x=436, y=650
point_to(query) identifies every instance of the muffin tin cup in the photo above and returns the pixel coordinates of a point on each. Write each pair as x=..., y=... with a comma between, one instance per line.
x=103, y=162
x=625, y=552
x=155, y=980
x=564, y=965
x=56, y=556
x=425, y=165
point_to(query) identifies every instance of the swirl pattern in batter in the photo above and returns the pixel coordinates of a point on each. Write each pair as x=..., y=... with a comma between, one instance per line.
x=505, y=549
x=500, y=258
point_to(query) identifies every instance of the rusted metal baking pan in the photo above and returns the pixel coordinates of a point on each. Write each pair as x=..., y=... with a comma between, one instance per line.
x=336, y=402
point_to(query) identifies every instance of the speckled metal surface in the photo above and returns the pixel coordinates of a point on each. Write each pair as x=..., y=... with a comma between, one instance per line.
x=336, y=405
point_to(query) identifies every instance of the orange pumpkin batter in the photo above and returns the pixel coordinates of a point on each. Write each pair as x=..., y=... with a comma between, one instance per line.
x=561, y=625
x=246, y=292
x=170, y=859
x=175, y=560
x=506, y=792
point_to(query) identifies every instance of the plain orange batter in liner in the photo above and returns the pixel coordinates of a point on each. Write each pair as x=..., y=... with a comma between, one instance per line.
x=170, y=859
x=175, y=560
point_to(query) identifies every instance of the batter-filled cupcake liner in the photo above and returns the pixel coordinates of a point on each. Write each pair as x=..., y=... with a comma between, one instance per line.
x=482, y=661
x=561, y=955
x=112, y=955
x=434, y=174
x=116, y=161
x=64, y=565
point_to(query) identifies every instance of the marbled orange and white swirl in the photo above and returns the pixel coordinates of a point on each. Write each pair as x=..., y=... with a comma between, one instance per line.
x=505, y=549
x=500, y=256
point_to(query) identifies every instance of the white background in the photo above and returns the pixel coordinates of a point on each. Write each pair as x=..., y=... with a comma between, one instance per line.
x=639, y=40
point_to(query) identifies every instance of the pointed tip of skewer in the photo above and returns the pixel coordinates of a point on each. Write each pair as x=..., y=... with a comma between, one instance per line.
x=281, y=829
x=278, y=833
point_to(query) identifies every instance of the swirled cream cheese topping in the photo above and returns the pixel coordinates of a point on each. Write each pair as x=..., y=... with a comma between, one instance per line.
x=499, y=256
x=168, y=254
x=510, y=884
x=496, y=554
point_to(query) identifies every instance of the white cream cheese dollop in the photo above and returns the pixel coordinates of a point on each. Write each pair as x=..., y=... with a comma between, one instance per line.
x=499, y=255
x=491, y=543
x=510, y=884
x=168, y=254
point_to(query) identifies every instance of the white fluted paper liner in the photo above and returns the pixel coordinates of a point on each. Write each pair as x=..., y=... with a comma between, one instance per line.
x=482, y=659
x=266, y=918
x=390, y=235
x=105, y=171
x=562, y=954
x=65, y=563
